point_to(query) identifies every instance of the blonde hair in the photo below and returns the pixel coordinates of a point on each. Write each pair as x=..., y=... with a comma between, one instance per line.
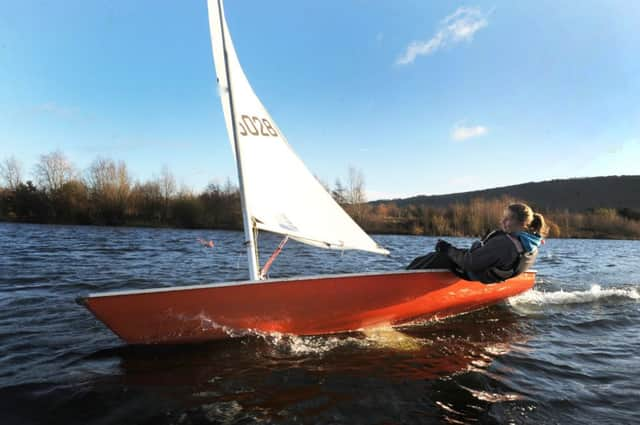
x=533, y=222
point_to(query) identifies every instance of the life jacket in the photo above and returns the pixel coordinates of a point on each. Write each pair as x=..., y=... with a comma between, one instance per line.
x=519, y=266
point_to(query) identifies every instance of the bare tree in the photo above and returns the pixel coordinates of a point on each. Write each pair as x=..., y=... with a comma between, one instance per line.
x=355, y=194
x=229, y=187
x=167, y=187
x=339, y=192
x=109, y=181
x=53, y=170
x=355, y=187
x=185, y=191
x=100, y=173
x=110, y=188
x=124, y=182
x=11, y=172
x=167, y=182
x=146, y=201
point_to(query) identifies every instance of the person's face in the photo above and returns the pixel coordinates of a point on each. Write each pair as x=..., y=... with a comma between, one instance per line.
x=510, y=223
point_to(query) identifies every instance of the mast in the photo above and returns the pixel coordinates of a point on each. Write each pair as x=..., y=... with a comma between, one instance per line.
x=249, y=227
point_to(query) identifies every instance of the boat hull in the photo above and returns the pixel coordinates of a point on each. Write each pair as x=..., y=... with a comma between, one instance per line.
x=303, y=306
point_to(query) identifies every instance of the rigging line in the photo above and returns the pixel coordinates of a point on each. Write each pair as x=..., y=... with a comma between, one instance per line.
x=256, y=250
x=267, y=265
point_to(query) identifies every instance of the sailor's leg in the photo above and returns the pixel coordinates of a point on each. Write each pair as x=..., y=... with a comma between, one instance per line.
x=433, y=260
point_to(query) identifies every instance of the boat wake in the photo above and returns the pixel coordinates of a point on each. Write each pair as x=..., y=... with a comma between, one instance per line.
x=534, y=299
x=296, y=345
x=290, y=344
x=381, y=337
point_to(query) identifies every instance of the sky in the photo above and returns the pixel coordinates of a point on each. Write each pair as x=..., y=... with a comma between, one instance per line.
x=423, y=97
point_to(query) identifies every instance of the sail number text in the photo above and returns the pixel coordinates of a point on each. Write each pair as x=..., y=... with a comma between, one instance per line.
x=256, y=126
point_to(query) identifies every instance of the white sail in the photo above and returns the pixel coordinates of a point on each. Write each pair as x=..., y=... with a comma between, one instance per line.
x=280, y=193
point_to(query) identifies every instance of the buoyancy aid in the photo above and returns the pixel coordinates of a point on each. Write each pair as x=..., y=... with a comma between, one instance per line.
x=524, y=260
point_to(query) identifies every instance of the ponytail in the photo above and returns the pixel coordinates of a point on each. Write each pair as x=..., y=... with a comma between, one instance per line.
x=533, y=222
x=538, y=225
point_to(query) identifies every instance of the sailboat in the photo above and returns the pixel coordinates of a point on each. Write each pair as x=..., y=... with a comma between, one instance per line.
x=279, y=195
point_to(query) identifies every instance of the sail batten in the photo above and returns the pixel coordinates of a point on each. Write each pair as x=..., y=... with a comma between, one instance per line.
x=280, y=194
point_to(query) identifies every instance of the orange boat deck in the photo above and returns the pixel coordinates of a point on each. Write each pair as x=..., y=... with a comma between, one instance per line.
x=302, y=305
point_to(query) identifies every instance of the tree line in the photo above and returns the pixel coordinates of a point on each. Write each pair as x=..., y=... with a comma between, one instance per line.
x=478, y=216
x=106, y=194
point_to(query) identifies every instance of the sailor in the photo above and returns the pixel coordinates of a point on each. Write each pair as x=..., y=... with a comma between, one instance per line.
x=500, y=255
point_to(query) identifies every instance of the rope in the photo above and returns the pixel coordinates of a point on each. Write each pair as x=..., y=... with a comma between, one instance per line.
x=267, y=265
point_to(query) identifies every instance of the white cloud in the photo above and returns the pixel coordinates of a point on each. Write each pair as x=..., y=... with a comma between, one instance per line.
x=461, y=132
x=461, y=25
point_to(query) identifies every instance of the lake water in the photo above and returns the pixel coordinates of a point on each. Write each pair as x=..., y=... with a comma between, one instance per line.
x=566, y=352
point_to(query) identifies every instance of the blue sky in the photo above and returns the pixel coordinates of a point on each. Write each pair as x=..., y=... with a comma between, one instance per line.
x=423, y=97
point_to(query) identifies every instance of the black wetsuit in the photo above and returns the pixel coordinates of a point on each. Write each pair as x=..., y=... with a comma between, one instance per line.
x=497, y=257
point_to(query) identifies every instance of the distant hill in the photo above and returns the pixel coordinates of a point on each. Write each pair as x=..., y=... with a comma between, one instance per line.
x=577, y=194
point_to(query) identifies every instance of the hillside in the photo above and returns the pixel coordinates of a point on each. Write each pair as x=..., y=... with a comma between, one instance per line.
x=579, y=194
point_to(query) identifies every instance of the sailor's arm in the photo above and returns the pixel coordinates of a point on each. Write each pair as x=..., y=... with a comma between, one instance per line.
x=475, y=260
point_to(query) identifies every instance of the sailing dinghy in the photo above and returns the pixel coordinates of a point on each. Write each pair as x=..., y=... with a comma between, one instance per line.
x=279, y=195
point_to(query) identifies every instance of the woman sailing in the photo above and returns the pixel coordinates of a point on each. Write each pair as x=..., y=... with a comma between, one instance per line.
x=500, y=255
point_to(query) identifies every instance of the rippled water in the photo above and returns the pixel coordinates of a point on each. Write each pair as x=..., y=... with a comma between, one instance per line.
x=566, y=352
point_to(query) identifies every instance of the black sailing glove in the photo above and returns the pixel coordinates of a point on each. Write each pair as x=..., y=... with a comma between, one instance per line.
x=443, y=246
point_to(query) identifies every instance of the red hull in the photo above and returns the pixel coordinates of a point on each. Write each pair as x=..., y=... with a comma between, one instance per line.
x=304, y=306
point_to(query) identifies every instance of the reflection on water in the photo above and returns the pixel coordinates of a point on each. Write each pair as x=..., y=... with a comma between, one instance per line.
x=557, y=354
x=437, y=371
x=283, y=377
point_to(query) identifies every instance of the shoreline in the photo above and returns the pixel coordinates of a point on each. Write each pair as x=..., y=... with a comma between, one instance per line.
x=585, y=236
